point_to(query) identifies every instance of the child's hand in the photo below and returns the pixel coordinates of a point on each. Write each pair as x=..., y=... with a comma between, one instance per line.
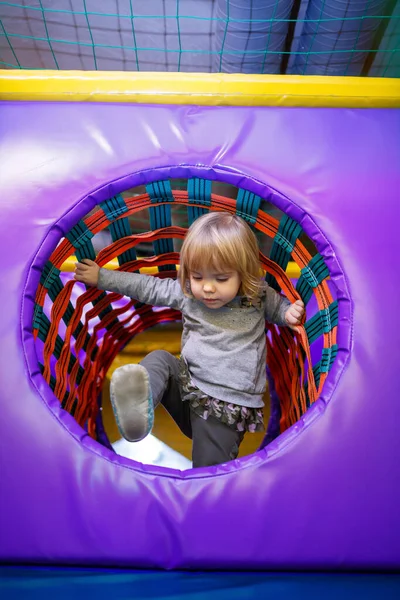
x=294, y=315
x=87, y=271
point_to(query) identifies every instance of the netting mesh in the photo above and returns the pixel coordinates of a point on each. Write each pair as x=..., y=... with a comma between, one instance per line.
x=325, y=37
x=79, y=331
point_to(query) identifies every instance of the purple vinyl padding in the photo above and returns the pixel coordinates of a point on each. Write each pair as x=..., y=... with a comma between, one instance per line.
x=326, y=493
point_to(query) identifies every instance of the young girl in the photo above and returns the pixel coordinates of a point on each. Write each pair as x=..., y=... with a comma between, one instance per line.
x=214, y=392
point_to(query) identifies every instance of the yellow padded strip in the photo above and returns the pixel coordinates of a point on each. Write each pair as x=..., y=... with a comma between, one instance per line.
x=213, y=89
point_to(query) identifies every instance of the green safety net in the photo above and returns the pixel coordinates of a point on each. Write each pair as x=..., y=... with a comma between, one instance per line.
x=304, y=37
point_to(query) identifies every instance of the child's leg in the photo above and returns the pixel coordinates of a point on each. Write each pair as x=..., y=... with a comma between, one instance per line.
x=137, y=389
x=214, y=442
x=163, y=370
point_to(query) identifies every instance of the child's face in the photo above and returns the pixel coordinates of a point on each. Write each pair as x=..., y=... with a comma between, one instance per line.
x=214, y=288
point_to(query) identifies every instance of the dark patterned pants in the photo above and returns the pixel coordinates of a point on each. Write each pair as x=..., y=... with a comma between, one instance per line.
x=214, y=442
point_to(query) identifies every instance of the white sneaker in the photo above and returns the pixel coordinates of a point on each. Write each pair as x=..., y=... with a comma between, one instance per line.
x=132, y=402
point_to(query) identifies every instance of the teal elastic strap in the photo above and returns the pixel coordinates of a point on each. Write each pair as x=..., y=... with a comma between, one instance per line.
x=282, y=247
x=160, y=217
x=316, y=271
x=247, y=205
x=160, y=191
x=322, y=322
x=81, y=239
x=328, y=357
x=38, y=317
x=317, y=379
x=50, y=276
x=325, y=364
x=311, y=276
x=43, y=327
x=120, y=229
x=114, y=207
x=199, y=192
x=285, y=240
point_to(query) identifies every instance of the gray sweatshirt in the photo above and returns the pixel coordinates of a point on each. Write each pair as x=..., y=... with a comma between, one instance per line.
x=224, y=348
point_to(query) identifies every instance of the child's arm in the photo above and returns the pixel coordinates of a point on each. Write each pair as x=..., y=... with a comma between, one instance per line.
x=280, y=311
x=144, y=288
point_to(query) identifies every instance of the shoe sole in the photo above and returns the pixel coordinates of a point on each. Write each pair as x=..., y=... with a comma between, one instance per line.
x=132, y=402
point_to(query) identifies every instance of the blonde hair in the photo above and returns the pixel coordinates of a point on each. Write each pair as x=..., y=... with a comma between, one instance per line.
x=222, y=241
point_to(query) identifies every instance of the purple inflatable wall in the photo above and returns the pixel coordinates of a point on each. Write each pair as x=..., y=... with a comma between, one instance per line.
x=323, y=495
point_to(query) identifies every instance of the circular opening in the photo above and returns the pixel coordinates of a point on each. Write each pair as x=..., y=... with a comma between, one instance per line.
x=82, y=334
